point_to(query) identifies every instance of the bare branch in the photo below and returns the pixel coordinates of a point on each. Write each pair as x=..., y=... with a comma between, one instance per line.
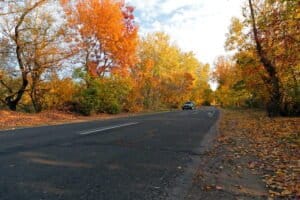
x=6, y=86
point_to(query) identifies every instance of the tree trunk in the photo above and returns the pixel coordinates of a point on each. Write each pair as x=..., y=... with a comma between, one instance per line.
x=13, y=100
x=275, y=99
x=35, y=99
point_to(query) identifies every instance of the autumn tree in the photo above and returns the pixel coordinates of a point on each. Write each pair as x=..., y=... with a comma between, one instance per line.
x=59, y=93
x=202, y=93
x=266, y=45
x=232, y=88
x=108, y=34
x=169, y=75
x=144, y=93
x=274, y=103
x=277, y=31
x=14, y=97
x=106, y=40
x=34, y=47
x=177, y=89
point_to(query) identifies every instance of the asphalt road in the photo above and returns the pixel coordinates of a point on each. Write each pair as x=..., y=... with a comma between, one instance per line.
x=130, y=158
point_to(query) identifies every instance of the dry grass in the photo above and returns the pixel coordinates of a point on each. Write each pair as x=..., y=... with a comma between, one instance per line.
x=10, y=119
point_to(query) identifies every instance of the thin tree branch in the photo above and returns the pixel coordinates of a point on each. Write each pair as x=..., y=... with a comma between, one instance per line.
x=6, y=86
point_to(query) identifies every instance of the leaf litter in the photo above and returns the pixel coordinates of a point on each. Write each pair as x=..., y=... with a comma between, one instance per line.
x=254, y=157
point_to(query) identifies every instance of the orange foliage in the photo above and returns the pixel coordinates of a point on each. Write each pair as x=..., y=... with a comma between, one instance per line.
x=144, y=87
x=108, y=31
x=177, y=89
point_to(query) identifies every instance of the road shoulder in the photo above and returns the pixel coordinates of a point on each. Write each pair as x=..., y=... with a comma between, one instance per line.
x=253, y=157
x=16, y=120
x=184, y=183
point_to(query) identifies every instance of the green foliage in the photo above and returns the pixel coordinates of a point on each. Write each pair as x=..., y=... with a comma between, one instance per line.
x=112, y=108
x=206, y=103
x=89, y=102
x=102, y=96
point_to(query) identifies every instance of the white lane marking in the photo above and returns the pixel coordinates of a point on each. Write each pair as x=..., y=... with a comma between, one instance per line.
x=106, y=128
x=211, y=114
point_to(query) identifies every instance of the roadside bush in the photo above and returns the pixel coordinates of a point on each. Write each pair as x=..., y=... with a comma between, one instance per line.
x=206, y=103
x=105, y=95
x=89, y=102
x=60, y=93
x=113, y=108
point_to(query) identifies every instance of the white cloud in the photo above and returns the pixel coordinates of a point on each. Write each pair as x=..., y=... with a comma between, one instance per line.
x=168, y=6
x=196, y=25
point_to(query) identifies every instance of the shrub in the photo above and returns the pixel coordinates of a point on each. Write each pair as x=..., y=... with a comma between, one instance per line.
x=206, y=103
x=113, y=108
x=105, y=95
x=88, y=101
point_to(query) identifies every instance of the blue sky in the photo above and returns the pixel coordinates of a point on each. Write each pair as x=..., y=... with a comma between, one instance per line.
x=195, y=25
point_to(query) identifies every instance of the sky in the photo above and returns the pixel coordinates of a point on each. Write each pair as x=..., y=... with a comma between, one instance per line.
x=195, y=25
